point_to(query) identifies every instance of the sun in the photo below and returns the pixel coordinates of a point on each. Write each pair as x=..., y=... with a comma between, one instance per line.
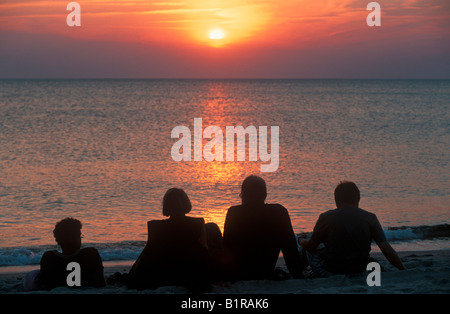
x=216, y=33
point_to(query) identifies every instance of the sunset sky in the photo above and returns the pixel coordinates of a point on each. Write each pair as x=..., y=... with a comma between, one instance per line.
x=225, y=39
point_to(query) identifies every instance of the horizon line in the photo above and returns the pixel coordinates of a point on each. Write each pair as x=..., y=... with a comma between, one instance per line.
x=223, y=78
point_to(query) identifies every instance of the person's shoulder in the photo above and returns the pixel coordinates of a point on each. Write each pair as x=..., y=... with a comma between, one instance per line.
x=156, y=222
x=276, y=207
x=276, y=212
x=89, y=251
x=235, y=209
x=367, y=213
x=49, y=255
x=195, y=220
x=329, y=213
x=370, y=217
x=90, y=257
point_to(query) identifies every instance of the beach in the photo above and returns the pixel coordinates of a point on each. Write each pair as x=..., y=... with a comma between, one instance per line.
x=104, y=156
x=427, y=272
x=259, y=120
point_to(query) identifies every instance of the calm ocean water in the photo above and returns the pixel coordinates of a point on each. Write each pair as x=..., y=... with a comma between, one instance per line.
x=100, y=151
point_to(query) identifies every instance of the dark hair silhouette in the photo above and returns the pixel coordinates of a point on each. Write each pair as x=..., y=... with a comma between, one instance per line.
x=253, y=190
x=213, y=236
x=176, y=202
x=67, y=229
x=346, y=193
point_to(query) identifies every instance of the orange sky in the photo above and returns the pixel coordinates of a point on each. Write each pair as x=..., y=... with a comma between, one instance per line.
x=268, y=26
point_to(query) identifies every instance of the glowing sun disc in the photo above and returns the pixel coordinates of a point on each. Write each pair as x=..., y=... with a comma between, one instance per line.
x=216, y=34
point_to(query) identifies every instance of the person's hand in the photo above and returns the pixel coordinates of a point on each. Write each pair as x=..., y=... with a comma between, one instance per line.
x=302, y=241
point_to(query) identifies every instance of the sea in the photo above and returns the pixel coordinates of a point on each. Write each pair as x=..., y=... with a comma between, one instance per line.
x=101, y=151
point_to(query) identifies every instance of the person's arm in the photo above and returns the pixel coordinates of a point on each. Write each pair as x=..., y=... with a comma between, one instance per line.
x=230, y=237
x=307, y=244
x=98, y=277
x=230, y=243
x=387, y=250
x=45, y=272
x=202, y=238
x=317, y=236
x=289, y=246
x=391, y=255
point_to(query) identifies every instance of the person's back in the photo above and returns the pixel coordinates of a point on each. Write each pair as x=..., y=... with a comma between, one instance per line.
x=53, y=271
x=175, y=232
x=255, y=233
x=175, y=253
x=255, y=236
x=53, y=266
x=347, y=233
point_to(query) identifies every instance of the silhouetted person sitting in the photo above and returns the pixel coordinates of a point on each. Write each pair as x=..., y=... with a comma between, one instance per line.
x=347, y=233
x=255, y=232
x=53, y=271
x=176, y=251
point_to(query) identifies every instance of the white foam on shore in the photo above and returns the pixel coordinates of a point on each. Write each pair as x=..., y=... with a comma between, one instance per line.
x=416, y=238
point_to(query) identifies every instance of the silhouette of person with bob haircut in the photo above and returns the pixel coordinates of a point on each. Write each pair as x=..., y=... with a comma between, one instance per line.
x=53, y=267
x=255, y=232
x=347, y=233
x=176, y=251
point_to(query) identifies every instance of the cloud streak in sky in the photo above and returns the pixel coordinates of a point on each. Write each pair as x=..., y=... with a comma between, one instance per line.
x=263, y=38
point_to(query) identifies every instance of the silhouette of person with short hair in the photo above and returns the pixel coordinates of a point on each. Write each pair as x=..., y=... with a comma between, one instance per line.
x=255, y=232
x=347, y=233
x=176, y=251
x=53, y=267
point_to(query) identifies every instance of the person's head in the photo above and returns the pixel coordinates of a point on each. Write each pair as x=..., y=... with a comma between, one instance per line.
x=176, y=203
x=253, y=190
x=214, y=238
x=346, y=194
x=67, y=233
